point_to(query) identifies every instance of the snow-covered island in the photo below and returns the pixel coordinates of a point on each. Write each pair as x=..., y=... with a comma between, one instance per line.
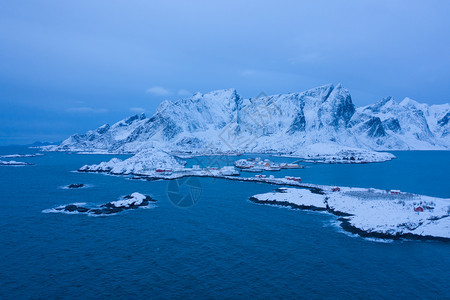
x=132, y=201
x=155, y=164
x=259, y=165
x=334, y=153
x=14, y=163
x=371, y=212
x=144, y=162
x=18, y=155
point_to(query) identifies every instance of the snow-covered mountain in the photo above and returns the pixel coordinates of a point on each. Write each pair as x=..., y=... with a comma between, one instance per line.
x=222, y=121
x=405, y=125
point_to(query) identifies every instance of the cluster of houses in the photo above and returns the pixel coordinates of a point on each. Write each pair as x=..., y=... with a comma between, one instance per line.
x=164, y=171
x=225, y=171
x=392, y=192
x=297, y=179
x=264, y=176
x=259, y=165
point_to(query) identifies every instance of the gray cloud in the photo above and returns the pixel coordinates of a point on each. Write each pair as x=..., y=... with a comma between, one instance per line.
x=137, y=109
x=183, y=92
x=158, y=91
x=87, y=109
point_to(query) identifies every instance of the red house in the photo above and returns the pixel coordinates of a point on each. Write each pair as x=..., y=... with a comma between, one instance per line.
x=298, y=179
x=418, y=209
x=336, y=189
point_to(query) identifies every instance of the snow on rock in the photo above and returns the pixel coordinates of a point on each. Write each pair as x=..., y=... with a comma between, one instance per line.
x=371, y=211
x=297, y=197
x=144, y=162
x=222, y=121
x=133, y=201
x=334, y=153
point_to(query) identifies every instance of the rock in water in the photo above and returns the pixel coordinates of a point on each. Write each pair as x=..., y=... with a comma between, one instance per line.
x=75, y=185
x=132, y=201
x=71, y=208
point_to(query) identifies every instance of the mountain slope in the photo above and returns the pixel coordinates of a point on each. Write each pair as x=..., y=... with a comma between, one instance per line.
x=222, y=121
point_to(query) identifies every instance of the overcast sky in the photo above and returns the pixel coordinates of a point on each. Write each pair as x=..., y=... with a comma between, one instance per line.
x=70, y=66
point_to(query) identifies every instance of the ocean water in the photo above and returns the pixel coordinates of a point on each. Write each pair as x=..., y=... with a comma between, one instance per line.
x=219, y=245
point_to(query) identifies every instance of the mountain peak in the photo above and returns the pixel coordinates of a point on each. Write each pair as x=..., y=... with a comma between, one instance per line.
x=217, y=95
x=163, y=105
x=134, y=118
x=409, y=102
x=102, y=129
x=229, y=93
x=326, y=87
x=321, y=93
x=339, y=89
x=384, y=102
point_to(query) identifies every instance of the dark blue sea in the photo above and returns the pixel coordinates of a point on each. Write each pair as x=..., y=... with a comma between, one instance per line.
x=219, y=245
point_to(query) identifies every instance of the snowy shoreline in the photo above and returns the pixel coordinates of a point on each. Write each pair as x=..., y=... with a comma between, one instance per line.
x=342, y=156
x=371, y=212
x=366, y=212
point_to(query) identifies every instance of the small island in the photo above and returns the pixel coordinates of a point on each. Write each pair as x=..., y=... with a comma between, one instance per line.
x=20, y=155
x=371, y=212
x=132, y=201
x=14, y=163
x=75, y=186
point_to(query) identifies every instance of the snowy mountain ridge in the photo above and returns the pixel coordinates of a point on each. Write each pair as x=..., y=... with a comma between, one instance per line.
x=222, y=121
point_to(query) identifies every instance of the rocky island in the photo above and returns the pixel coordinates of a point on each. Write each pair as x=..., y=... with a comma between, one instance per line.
x=132, y=201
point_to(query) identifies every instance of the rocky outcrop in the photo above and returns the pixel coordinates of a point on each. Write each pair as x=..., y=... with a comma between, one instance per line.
x=132, y=201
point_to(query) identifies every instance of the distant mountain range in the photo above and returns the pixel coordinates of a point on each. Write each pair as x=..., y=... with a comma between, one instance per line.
x=222, y=121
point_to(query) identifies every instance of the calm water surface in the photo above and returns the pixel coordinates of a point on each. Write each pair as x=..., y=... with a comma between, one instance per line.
x=224, y=246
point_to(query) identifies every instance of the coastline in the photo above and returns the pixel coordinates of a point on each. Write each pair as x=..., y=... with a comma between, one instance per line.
x=326, y=192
